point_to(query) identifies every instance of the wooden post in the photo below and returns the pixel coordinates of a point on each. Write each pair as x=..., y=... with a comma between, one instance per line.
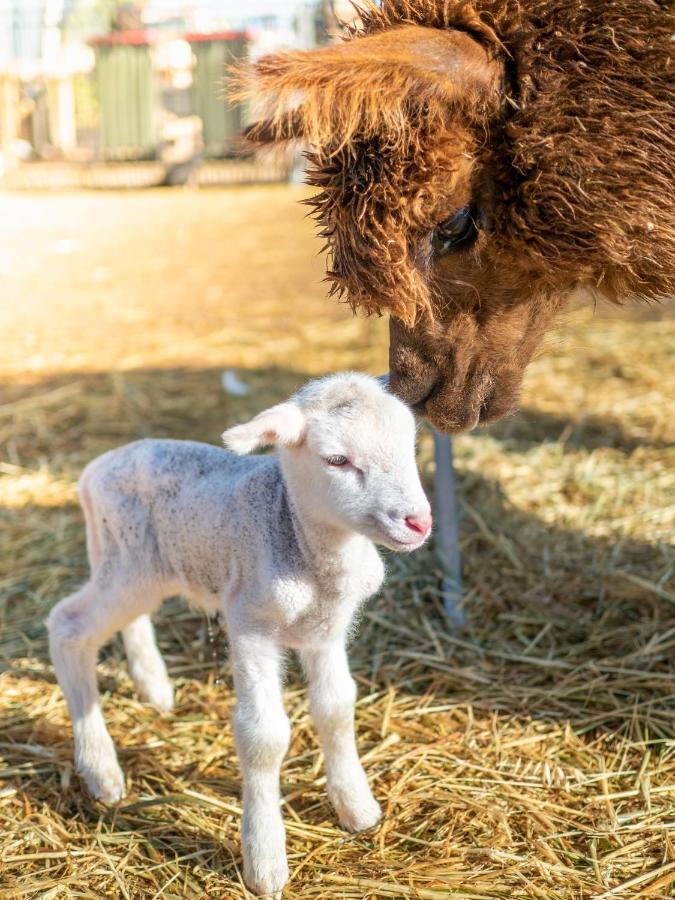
x=447, y=527
x=61, y=100
x=9, y=118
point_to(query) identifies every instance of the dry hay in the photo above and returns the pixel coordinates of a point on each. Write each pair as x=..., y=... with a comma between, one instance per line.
x=528, y=755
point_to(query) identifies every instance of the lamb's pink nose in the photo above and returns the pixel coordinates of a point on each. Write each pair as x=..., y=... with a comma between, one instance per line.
x=420, y=524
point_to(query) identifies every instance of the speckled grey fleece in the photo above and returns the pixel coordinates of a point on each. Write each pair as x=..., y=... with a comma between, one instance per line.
x=221, y=528
x=183, y=510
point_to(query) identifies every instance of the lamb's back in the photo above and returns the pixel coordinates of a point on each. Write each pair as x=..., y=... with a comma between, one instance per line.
x=183, y=508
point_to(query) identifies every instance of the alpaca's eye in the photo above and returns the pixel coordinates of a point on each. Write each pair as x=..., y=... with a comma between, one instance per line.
x=337, y=460
x=457, y=232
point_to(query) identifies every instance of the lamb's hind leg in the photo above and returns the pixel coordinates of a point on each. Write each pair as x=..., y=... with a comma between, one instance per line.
x=78, y=626
x=146, y=665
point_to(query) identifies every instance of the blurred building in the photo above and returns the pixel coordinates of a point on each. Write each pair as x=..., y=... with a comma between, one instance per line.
x=86, y=80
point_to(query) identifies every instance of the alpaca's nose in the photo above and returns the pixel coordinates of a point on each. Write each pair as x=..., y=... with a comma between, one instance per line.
x=420, y=524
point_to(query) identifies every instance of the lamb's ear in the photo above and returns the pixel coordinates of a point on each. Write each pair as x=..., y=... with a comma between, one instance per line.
x=283, y=425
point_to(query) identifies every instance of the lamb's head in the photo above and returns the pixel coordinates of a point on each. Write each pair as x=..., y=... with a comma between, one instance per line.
x=347, y=450
x=478, y=161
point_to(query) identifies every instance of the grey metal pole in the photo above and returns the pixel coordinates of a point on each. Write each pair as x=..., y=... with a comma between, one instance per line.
x=446, y=518
x=446, y=515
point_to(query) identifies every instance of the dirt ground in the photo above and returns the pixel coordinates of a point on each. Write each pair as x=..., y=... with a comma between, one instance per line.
x=528, y=754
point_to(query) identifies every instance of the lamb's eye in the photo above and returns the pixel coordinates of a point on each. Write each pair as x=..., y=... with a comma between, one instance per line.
x=457, y=232
x=337, y=460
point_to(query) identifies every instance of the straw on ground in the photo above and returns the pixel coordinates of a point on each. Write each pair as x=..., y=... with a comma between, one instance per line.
x=529, y=755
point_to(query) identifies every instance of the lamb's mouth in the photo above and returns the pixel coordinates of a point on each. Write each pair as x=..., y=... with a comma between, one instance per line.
x=405, y=546
x=379, y=533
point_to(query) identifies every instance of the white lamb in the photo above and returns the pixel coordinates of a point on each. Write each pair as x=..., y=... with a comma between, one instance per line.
x=283, y=547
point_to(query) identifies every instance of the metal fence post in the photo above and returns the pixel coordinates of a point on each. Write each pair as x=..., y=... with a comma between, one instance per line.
x=447, y=527
x=446, y=518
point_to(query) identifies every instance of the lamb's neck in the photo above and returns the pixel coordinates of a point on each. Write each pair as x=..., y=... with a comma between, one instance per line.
x=327, y=549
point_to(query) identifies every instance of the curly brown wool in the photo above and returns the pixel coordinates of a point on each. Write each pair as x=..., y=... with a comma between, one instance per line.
x=551, y=121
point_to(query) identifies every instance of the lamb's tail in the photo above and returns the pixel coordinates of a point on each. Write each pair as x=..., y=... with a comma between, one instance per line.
x=94, y=541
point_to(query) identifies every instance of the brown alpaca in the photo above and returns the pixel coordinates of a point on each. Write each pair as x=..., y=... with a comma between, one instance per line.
x=477, y=163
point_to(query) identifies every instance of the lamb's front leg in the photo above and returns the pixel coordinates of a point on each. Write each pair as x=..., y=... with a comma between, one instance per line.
x=261, y=734
x=332, y=694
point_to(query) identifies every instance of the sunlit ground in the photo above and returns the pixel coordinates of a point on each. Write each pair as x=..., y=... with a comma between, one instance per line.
x=528, y=754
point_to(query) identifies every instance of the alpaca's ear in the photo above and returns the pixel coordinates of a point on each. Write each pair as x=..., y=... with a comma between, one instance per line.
x=368, y=83
x=283, y=425
x=271, y=131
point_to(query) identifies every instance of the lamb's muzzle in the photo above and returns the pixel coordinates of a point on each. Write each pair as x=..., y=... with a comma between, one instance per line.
x=283, y=547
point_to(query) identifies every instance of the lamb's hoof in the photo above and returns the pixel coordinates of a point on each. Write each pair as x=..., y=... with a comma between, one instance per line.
x=264, y=856
x=106, y=782
x=268, y=877
x=159, y=695
x=357, y=814
x=153, y=686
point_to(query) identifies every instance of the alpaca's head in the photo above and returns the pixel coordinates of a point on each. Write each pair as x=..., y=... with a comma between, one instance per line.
x=473, y=171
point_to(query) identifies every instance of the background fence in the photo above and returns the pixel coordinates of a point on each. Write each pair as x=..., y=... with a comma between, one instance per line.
x=91, y=81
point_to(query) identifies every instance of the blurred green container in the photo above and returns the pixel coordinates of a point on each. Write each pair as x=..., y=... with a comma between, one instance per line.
x=222, y=121
x=126, y=93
